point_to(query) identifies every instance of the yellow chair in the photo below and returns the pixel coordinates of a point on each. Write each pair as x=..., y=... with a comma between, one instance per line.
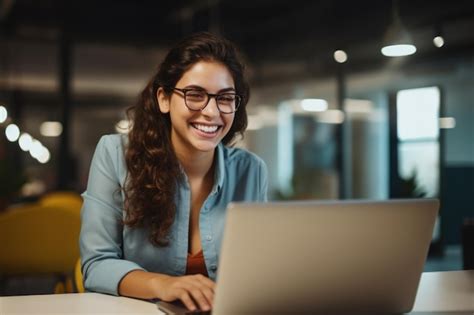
x=39, y=239
x=67, y=199
x=73, y=283
x=78, y=280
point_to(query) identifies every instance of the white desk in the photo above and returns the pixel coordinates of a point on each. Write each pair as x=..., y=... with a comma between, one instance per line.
x=451, y=291
x=80, y=303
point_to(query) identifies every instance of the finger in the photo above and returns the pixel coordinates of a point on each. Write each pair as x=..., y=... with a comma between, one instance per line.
x=209, y=294
x=187, y=301
x=202, y=301
x=206, y=281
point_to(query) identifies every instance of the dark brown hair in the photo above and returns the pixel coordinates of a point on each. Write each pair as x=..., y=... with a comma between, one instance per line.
x=153, y=168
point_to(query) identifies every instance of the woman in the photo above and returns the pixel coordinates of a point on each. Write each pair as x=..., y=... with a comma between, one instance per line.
x=155, y=205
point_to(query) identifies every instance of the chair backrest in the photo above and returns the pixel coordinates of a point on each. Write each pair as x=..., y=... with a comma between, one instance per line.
x=78, y=279
x=39, y=239
x=67, y=199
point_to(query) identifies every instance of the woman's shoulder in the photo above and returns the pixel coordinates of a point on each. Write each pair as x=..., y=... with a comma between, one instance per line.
x=111, y=148
x=110, y=153
x=113, y=142
x=239, y=155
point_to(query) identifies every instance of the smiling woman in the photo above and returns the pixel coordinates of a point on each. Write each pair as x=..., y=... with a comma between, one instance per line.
x=155, y=205
x=196, y=124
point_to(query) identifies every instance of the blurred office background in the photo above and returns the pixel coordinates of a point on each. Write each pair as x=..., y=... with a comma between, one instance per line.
x=332, y=116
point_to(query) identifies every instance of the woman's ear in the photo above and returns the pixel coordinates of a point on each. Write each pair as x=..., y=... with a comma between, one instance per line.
x=163, y=101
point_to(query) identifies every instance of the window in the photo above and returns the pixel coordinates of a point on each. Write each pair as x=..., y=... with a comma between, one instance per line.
x=418, y=134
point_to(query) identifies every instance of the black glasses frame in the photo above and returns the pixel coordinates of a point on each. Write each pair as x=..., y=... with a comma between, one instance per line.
x=238, y=99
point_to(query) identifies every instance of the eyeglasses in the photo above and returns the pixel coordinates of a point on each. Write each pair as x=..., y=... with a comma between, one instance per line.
x=197, y=100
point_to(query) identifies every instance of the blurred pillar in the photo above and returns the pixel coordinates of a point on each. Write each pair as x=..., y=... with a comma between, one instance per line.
x=65, y=165
x=341, y=96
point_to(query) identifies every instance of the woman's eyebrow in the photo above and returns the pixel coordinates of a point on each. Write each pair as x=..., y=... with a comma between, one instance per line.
x=229, y=89
x=197, y=87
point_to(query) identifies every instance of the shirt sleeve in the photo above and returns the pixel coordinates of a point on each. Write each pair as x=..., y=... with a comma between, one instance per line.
x=103, y=265
x=263, y=180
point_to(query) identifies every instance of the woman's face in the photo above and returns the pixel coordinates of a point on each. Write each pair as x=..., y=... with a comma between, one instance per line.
x=198, y=130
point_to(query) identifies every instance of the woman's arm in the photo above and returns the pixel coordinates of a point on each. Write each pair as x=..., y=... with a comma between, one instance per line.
x=101, y=235
x=189, y=289
x=101, y=243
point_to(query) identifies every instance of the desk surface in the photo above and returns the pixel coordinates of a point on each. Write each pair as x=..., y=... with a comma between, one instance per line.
x=446, y=291
x=451, y=291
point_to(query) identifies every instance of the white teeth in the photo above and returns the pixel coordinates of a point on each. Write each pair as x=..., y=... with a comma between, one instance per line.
x=205, y=128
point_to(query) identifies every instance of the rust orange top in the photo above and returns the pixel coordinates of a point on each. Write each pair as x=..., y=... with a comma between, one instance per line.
x=196, y=264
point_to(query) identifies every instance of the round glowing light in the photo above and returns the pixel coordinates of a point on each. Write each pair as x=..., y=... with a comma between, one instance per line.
x=12, y=132
x=123, y=126
x=3, y=114
x=36, y=148
x=44, y=156
x=51, y=129
x=25, y=141
x=438, y=41
x=398, y=50
x=340, y=56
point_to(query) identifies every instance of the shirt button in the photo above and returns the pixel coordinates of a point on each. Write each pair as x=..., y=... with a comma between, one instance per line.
x=209, y=238
x=213, y=268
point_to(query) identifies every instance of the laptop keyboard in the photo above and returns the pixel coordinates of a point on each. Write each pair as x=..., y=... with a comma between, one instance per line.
x=198, y=313
x=178, y=309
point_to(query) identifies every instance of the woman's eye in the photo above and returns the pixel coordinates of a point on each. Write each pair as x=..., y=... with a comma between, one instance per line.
x=227, y=98
x=195, y=94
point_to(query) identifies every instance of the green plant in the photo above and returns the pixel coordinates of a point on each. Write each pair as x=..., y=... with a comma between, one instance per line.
x=409, y=188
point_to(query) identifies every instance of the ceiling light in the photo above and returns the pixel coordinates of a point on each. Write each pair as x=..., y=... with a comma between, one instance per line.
x=36, y=148
x=438, y=41
x=3, y=114
x=51, y=128
x=340, y=56
x=397, y=41
x=447, y=122
x=123, y=126
x=12, y=132
x=438, y=38
x=398, y=50
x=25, y=141
x=44, y=156
x=331, y=116
x=314, y=105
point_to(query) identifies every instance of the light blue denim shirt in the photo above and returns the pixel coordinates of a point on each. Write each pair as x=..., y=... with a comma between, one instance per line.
x=110, y=250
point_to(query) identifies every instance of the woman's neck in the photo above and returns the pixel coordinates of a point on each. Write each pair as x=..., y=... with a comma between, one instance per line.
x=195, y=164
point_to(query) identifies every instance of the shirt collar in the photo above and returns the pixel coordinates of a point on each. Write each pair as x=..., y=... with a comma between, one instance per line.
x=219, y=171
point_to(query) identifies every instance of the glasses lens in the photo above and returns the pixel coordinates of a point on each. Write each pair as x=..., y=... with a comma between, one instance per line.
x=196, y=99
x=228, y=103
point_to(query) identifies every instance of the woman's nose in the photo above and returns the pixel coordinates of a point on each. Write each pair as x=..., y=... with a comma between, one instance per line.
x=212, y=108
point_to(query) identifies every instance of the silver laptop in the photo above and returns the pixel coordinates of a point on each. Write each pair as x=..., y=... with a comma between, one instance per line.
x=316, y=257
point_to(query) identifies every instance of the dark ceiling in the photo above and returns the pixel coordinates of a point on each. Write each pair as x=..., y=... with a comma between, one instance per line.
x=268, y=31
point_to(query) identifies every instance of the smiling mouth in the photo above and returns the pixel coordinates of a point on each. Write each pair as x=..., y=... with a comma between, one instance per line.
x=206, y=128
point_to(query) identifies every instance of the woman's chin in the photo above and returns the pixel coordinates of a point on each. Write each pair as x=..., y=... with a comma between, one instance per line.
x=205, y=145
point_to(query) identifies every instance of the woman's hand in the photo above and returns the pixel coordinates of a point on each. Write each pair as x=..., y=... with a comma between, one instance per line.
x=189, y=289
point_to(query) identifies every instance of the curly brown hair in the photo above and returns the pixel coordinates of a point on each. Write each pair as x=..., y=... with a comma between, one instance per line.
x=153, y=168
